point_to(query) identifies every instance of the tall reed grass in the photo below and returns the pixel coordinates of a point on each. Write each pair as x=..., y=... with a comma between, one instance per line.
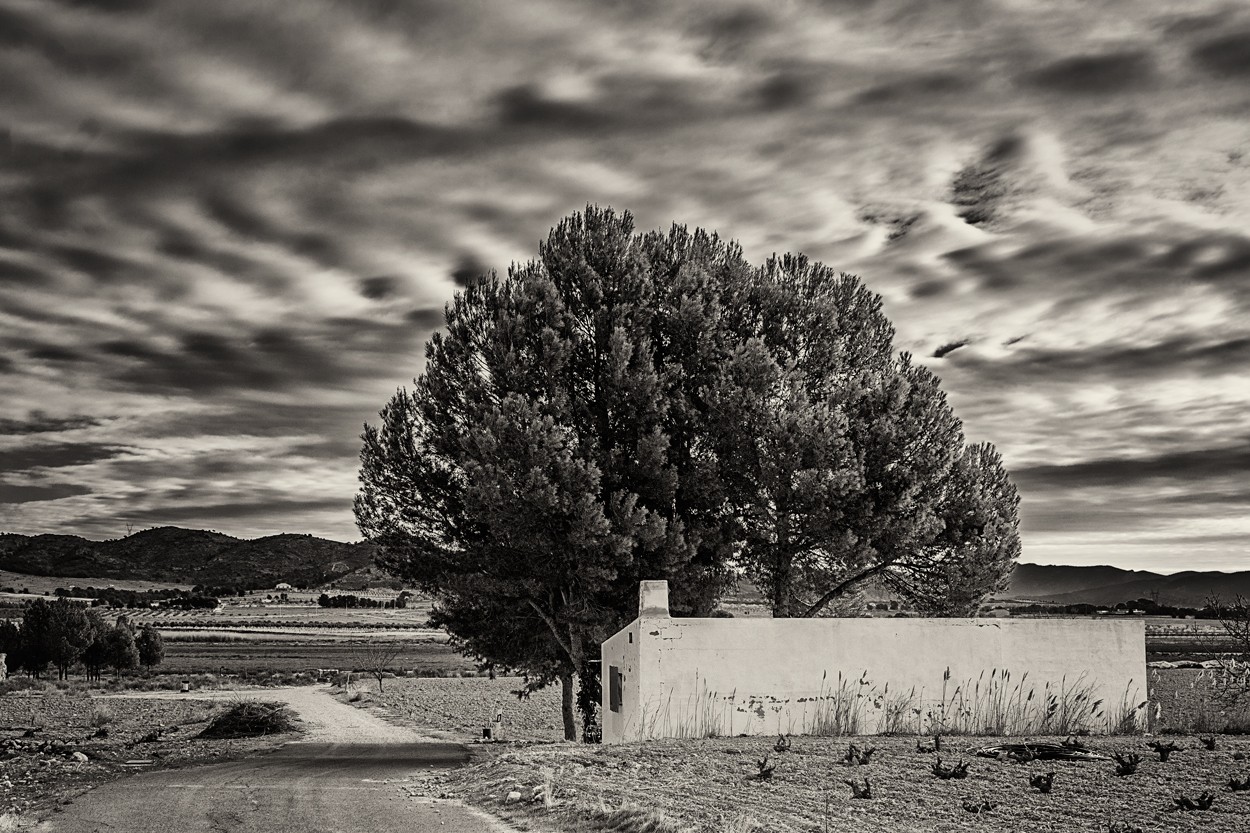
x=995, y=703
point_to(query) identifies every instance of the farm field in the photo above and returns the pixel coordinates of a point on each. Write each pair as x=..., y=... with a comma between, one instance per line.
x=285, y=615
x=713, y=785
x=464, y=706
x=285, y=656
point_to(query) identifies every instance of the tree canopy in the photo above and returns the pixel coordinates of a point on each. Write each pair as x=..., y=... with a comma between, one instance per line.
x=640, y=406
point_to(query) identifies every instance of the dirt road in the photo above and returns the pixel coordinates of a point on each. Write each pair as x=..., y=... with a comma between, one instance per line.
x=343, y=776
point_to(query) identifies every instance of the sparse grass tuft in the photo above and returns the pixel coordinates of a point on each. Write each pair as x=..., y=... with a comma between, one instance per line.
x=624, y=819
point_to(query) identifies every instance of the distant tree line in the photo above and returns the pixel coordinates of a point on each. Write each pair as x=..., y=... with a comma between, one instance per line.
x=192, y=603
x=1148, y=607
x=65, y=634
x=133, y=599
x=348, y=601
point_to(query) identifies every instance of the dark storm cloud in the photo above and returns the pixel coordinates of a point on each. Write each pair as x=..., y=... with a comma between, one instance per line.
x=525, y=106
x=40, y=423
x=728, y=35
x=469, y=270
x=18, y=493
x=1226, y=56
x=1181, y=357
x=379, y=287
x=929, y=289
x=948, y=348
x=329, y=354
x=55, y=456
x=1197, y=467
x=1133, y=263
x=51, y=353
x=624, y=105
x=94, y=263
x=920, y=90
x=425, y=318
x=117, y=6
x=266, y=505
x=20, y=274
x=784, y=89
x=1114, y=72
x=328, y=149
x=26, y=33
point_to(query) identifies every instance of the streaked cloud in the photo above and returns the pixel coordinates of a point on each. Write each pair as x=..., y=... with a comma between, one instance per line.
x=229, y=228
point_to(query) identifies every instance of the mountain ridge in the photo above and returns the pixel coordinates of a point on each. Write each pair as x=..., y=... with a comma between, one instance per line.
x=187, y=556
x=1106, y=585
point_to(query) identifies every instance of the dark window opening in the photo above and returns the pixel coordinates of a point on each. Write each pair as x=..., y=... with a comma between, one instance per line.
x=614, y=688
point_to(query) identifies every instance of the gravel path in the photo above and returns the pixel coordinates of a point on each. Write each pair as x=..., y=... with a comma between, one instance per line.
x=326, y=720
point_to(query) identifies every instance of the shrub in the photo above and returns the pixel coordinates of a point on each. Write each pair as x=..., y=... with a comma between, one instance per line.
x=249, y=719
x=14, y=684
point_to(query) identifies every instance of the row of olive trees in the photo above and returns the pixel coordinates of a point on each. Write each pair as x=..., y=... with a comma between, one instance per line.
x=652, y=406
x=63, y=633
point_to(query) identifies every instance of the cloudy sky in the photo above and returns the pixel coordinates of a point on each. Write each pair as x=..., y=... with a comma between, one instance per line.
x=227, y=228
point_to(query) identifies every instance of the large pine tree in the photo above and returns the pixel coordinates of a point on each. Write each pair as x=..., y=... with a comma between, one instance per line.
x=632, y=407
x=553, y=453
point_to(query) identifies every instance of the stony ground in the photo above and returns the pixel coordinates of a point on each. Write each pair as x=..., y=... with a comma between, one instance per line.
x=461, y=707
x=711, y=785
x=55, y=746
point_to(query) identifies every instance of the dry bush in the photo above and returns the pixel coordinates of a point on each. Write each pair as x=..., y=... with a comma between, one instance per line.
x=249, y=719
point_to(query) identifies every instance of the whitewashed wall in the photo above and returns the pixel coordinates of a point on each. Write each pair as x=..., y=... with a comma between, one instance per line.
x=699, y=677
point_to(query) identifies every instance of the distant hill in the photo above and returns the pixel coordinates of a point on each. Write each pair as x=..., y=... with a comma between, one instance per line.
x=187, y=556
x=1112, y=585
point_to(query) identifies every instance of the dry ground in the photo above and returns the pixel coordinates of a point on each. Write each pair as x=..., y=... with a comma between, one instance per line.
x=710, y=785
x=462, y=707
x=40, y=772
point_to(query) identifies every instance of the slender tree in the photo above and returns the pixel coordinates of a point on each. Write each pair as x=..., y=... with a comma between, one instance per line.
x=151, y=647
x=96, y=655
x=37, y=636
x=68, y=636
x=123, y=653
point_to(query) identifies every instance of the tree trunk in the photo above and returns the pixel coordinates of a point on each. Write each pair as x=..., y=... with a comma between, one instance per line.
x=566, y=706
x=782, y=589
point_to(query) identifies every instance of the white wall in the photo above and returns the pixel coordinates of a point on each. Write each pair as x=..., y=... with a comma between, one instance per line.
x=695, y=677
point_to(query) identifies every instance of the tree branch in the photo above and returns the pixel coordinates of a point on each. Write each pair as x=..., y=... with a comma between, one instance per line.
x=842, y=587
x=555, y=630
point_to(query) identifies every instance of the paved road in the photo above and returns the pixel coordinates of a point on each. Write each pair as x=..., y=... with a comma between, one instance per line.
x=320, y=783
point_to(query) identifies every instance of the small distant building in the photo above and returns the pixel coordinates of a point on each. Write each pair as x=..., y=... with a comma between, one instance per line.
x=282, y=585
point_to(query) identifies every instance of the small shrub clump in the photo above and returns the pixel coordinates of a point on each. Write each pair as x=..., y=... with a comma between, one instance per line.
x=249, y=719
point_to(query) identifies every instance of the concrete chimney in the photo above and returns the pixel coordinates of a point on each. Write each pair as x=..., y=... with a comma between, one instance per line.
x=653, y=599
